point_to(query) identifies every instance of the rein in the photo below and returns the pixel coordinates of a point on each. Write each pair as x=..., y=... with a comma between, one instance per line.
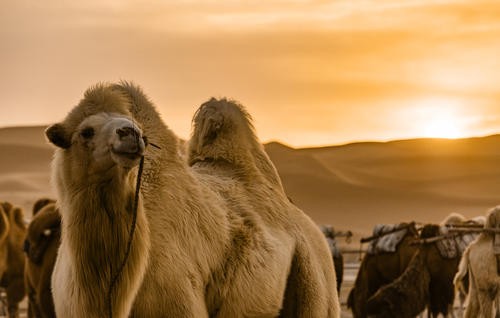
x=114, y=280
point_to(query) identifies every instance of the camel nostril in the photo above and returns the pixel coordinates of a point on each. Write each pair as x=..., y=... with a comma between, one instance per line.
x=127, y=131
x=123, y=132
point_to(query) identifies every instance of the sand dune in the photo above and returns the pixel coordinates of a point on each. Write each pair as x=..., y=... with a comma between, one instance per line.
x=357, y=185
x=351, y=186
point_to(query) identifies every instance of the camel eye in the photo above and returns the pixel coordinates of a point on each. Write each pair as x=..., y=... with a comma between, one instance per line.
x=87, y=133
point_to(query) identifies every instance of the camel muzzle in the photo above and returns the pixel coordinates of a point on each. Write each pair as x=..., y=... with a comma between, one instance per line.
x=130, y=143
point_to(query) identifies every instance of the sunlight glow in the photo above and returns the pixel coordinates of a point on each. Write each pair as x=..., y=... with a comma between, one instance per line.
x=439, y=118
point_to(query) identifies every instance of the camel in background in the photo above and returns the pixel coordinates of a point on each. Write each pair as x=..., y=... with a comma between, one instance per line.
x=41, y=245
x=480, y=262
x=379, y=269
x=12, y=278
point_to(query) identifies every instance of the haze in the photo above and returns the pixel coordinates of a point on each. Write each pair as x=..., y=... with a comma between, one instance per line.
x=310, y=72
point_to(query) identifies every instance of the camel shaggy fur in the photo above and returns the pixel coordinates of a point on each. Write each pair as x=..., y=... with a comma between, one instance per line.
x=377, y=270
x=479, y=261
x=427, y=282
x=405, y=297
x=224, y=144
x=211, y=240
x=41, y=245
x=13, y=277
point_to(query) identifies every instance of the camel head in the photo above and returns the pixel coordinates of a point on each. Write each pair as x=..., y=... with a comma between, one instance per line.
x=493, y=217
x=44, y=227
x=99, y=143
x=454, y=219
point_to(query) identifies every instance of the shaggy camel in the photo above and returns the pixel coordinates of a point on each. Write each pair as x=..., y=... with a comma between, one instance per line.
x=431, y=275
x=223, y=143
x=377, y=270
x=217, y=239
x=406, y=296
x=480, y=262
x=42, y=242
x=13, y=277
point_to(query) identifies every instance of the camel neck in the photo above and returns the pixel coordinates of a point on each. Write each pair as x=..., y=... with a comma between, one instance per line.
x=96, y=231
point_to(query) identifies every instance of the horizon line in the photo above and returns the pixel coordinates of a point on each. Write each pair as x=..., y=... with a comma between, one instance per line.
x=323, y=145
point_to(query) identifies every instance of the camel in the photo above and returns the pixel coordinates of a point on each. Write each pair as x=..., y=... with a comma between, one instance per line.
x=214, y=239
x=462, y=287
x=480, y=262
x=224, y=142
x=405, y=297
x=13, y=277
x=41, y=245
x=430, y=275
x=338, y=258
x=4, y=232
x=377, y=270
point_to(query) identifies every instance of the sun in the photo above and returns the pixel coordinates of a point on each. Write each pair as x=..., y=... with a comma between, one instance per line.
x=442, y=127
x=439, y=118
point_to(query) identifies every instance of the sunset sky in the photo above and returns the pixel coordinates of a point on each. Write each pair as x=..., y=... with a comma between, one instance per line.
x=310, y=72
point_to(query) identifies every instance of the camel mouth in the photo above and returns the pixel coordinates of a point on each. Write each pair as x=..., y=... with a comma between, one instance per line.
x=127, y=155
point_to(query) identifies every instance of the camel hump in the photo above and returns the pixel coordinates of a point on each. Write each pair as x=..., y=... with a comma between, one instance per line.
x=13, y=214
x=223, y=132
x=220, y=124
x=40, y=203
x=4, y=224
x=47, y=218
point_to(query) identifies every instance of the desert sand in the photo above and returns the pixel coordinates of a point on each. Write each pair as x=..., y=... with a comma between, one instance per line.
x=352, y=187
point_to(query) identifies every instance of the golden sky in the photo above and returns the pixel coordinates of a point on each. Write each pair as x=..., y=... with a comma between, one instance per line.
x=310, y=72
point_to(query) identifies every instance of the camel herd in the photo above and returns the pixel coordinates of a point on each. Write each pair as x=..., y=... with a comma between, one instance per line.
x=146, y=225
x=428, y=267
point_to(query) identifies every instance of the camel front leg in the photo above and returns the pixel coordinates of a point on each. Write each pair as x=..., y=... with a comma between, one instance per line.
x=472, y=310
x=485, y=306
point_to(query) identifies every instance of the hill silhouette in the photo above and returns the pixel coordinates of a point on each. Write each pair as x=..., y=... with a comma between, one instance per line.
x=352, y=186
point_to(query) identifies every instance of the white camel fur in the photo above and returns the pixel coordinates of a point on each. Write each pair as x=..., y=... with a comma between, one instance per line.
x=215, y=239
x=480, y=262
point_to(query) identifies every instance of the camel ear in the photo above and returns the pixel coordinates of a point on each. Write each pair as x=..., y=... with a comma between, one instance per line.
x=7, y=206
x=58, y=135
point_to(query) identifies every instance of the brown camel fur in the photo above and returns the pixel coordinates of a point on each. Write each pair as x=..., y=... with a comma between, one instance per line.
x=13, y=277
x=405, y=297
x=431, y=277
x=377, y=270
x=210, y=240
x=41, y=245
